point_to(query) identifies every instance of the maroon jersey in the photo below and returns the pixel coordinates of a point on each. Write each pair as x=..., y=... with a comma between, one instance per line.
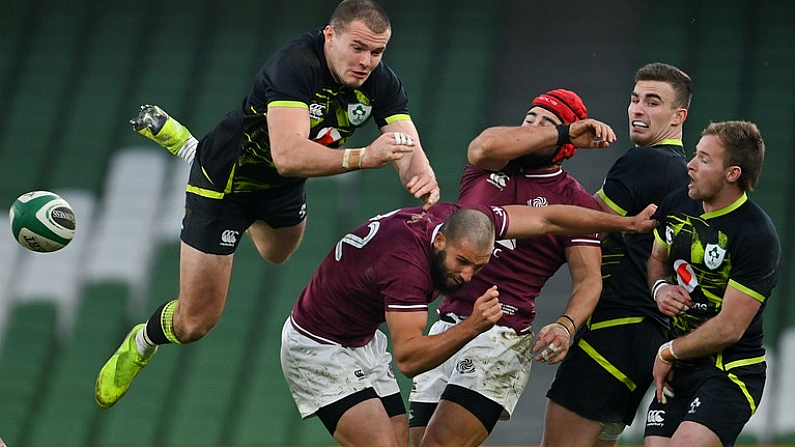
x=382, y=266
x=520, y=267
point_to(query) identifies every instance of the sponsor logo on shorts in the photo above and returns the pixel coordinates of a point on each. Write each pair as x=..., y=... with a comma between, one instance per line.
x=655, y=418
x=229, y=238
x=694, y=405
x=359, y=374
x=302, y=211
x=465, y=366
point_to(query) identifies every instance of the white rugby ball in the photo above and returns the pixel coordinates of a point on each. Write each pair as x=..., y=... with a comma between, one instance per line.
x=42, y=221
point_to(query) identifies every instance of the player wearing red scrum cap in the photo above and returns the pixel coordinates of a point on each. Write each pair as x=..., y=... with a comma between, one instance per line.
x=482, y=382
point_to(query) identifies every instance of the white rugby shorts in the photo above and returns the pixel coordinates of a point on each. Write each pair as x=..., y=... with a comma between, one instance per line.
x=320, y=374
x=495, y=364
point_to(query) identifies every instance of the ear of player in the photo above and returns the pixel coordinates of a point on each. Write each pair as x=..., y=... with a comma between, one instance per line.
x=42, y=221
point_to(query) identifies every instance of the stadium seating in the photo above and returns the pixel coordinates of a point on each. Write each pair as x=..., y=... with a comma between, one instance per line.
x=27, y=352
x=42, y=73
x=40, y=295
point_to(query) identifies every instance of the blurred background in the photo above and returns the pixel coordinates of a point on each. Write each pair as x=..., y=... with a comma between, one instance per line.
x=73, y=73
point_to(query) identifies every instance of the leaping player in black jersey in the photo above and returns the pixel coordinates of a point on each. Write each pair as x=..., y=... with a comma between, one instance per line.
x=248, y=174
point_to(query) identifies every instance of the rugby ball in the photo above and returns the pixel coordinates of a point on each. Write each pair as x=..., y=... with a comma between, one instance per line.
x=42, y=221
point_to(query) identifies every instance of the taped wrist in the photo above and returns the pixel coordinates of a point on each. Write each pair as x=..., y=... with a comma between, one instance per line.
x=667, y=346
x=353, y=159
x=565, y=320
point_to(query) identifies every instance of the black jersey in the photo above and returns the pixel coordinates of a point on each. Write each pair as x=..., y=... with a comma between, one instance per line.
x=735, y=246
x=236, y=155
x=643, y=175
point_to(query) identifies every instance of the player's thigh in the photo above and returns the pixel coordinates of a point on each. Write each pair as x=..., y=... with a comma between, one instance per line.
x=276, y=244
x=204, y=282
x=692, y=433
x=563, y=427
x=453, y=425
x=367, y=424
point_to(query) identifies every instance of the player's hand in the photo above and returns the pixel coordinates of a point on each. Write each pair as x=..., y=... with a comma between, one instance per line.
x=642, y=222
x=388, y=147
x=590, y=134
x=424, y=187
x=663, y=373
x=552, y=344
x=486, y=311
x=673, y=300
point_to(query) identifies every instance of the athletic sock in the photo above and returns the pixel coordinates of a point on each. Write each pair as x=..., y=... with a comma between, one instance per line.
x=144, y=345
x=188, y=150
x=160, y=326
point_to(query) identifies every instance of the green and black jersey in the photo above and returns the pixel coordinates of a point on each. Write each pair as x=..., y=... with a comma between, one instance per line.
x=643, y=175
x=236, y=155
x=737, y=247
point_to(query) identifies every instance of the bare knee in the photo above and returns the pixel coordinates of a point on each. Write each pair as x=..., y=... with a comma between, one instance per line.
x=192, y=324
x=189, y=330
x=277, y=258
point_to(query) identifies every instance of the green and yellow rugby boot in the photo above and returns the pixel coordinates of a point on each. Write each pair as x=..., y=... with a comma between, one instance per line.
x=154, y=123
x=115, y=377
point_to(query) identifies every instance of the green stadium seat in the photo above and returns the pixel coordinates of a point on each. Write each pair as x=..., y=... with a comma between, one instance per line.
x=29, y=348
x=67, y=409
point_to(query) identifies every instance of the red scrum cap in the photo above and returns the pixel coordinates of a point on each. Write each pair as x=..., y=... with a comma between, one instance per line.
x=565, y=104
x=568, y=107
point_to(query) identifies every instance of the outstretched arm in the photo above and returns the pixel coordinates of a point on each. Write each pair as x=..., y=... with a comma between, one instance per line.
x=496, y=146
x=526, y=221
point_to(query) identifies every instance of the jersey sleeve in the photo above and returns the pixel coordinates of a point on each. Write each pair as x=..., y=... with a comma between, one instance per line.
x=583, y=199
x=757, y=260
x=405, y=281
x=641, y=176
x=500, y=218
x=618, y=190
x=391, y=100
